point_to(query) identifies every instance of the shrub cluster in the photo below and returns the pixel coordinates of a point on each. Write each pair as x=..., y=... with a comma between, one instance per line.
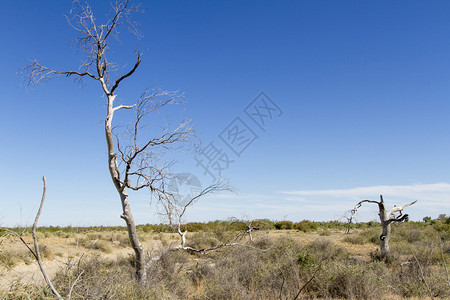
x=270, y=267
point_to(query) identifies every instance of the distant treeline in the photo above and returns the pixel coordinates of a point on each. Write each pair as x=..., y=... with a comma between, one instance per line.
x=441, y=223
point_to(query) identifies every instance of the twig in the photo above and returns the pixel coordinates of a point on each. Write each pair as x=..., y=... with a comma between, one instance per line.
x=423, y=277
x=312, y=277
x=281, y=288
x=20, y=238
x=74, y=283
x=282, y=283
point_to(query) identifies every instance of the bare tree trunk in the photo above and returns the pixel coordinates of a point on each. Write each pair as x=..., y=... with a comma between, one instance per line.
x=386, y=229
x=126, y=211
x=141, y=271
x=384, y=239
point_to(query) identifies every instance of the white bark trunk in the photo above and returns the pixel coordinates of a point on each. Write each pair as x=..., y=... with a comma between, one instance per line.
x=386, y=232
x=126, y=211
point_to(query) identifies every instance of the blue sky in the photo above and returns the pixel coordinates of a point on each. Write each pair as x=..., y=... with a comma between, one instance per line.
x=364, y=89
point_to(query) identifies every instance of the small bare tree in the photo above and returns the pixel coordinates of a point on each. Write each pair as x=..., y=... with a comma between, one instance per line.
x=386, y=218
x=133, y=163
x=175, y=207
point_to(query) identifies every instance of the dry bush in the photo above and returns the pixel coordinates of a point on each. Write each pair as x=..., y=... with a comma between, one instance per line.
x=124, y=241
x=325, y=232
x=408, y=282
x=201, y=240
x=19, y=291
x=364, y=236
x=324, y=250
x=46, y=251
x=247, y=273
x=11, y=257
x=170, y=273
x=273, y=268
x=98, y=279
x=91, y=241
x=115, y=279
x=342, y=280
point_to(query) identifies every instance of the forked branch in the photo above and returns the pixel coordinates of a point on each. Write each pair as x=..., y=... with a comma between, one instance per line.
x=35, y=73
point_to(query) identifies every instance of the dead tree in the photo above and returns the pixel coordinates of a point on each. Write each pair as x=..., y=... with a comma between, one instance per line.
x=174, y=211
x=386, y=218
x=249, y=228
x=133, y=163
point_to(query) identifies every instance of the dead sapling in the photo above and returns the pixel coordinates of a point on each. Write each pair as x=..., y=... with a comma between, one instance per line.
x=36, y=253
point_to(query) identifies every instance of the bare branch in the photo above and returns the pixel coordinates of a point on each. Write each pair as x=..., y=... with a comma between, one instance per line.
x=35, y=73
x=354, y=211
x=398, y=209
x=136, y=65
x=398, y=219
x=124, y=107
x=36, y=245
x=219, y=186
x=310, y=279
x=143, y=163
x=94, y=41
x=74, y=283
x=200, y=251
x=19, y=236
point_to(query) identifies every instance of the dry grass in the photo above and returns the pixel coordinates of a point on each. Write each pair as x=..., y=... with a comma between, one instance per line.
x=347, y=266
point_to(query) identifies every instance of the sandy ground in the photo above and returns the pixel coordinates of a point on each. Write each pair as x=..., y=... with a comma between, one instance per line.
x=64, y=251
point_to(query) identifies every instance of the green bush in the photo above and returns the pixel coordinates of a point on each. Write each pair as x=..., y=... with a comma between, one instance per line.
x=280, y=225
x=306, y=226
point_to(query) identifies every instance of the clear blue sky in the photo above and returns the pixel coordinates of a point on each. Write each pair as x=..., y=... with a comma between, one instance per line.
x=364, y=88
